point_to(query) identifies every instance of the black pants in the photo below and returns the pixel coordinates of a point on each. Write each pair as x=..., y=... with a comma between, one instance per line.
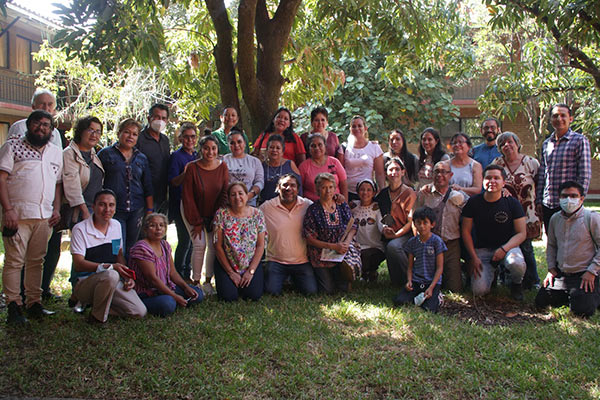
x=547, y=213
x=566, y=291
x=408, y=297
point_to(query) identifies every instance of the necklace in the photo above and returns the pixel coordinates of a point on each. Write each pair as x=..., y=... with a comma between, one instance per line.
x=330, y=211
x=273, y=173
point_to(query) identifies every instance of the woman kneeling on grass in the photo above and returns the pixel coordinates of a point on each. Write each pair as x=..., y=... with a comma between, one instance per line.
x=158, y=284
x=240, y=242
x=330, y=228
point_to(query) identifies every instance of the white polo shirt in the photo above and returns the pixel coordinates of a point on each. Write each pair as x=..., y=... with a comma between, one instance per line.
x=32, y=177
x=85, y=236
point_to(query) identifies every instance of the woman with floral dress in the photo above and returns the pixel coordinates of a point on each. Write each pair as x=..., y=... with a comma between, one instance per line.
x=240, y=232
x=521, y=177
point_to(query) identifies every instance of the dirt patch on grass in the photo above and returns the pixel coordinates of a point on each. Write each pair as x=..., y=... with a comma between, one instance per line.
x=491, y=311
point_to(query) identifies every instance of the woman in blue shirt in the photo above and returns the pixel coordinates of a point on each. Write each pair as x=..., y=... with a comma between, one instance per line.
x=127, y=173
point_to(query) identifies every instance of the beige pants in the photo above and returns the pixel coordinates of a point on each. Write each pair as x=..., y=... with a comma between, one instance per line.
x=27, y=248
x=203, y=252
x=105, y=292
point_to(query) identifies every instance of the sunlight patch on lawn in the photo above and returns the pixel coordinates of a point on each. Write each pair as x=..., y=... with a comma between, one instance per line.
x=369, y=319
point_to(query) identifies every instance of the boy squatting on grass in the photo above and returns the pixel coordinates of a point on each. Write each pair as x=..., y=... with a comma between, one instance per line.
x=425, y=262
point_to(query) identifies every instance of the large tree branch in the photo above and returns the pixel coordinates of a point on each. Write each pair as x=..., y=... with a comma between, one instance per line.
x=246, y=55
x=223, y=52
x=579, y=59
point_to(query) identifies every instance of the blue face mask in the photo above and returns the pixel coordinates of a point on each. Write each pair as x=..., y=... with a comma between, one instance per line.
x=570, y=205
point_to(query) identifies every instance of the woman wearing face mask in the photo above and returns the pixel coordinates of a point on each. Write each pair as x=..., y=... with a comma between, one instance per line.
x=521, y=178
x=229, y=119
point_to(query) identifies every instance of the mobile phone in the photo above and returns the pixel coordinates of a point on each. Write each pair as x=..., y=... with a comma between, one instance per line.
x=8, y=232
x=388, y=220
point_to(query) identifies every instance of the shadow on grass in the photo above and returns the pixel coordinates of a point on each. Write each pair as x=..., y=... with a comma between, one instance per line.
x=336, y=347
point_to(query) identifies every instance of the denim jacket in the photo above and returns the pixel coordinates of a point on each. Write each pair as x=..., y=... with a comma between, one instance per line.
x=131, y=182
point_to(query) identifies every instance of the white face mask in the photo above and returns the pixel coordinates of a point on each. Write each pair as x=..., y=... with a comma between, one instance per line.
x=158, y=125
x=569, y=205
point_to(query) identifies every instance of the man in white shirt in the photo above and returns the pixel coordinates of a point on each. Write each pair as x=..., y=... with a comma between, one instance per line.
x=43, y=99
x=101, y=276
x=30, y=194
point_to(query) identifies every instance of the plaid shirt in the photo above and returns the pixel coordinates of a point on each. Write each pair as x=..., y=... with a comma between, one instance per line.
x=565, y=159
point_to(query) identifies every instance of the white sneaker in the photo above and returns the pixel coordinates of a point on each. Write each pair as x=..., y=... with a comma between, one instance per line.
x=207, y=289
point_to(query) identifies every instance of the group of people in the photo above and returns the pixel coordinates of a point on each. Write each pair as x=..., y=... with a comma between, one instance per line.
x=322, y=218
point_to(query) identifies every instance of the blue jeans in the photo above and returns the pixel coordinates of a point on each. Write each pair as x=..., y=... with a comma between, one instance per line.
x=513, y=262
x=397, y=259
x=531, y=275
x=183, y=252
x=302, y=276
x=226, y=289
x=131, y=224
x=163, y=304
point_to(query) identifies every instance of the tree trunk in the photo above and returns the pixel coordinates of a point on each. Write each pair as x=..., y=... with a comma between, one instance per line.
x=258, y=65
x=223, y=53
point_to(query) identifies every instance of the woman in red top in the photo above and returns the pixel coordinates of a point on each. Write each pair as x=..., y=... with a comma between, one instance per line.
x=204, y=187
x=281, y=124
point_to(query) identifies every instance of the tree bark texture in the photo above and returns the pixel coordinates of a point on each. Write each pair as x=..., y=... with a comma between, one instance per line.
x=261, y=42
x=223, y=53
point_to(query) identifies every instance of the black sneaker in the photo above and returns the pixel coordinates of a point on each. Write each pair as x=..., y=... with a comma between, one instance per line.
x=15, y=315
x=516, y=291
x=50, y=296
x=37, y=311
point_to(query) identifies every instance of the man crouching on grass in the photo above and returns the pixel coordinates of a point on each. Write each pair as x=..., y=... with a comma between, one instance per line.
x=101, y=277
x=425, y=263
x=499, y=230
x=573, y=255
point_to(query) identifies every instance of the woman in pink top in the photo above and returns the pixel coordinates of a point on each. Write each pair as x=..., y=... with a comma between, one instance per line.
x=319, y=162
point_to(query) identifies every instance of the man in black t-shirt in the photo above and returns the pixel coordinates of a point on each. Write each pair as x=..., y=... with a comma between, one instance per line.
x=499, y=230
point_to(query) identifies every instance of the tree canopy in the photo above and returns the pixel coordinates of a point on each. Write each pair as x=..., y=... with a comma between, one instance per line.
x=262, y=53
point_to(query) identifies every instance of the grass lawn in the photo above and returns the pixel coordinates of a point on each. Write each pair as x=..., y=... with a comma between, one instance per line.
x=342, y=347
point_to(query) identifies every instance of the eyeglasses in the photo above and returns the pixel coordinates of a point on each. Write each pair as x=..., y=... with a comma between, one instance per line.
x=95, y=131
x=189, y=137
x=441, y=172
x=42, y=124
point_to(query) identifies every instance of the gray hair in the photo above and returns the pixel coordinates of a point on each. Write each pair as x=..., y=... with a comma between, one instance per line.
x=504, y=136
x=324, y=176
x=39, y=92
x=149, y=218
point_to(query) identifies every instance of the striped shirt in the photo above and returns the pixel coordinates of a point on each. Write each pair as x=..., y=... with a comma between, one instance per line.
x=565, y=159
